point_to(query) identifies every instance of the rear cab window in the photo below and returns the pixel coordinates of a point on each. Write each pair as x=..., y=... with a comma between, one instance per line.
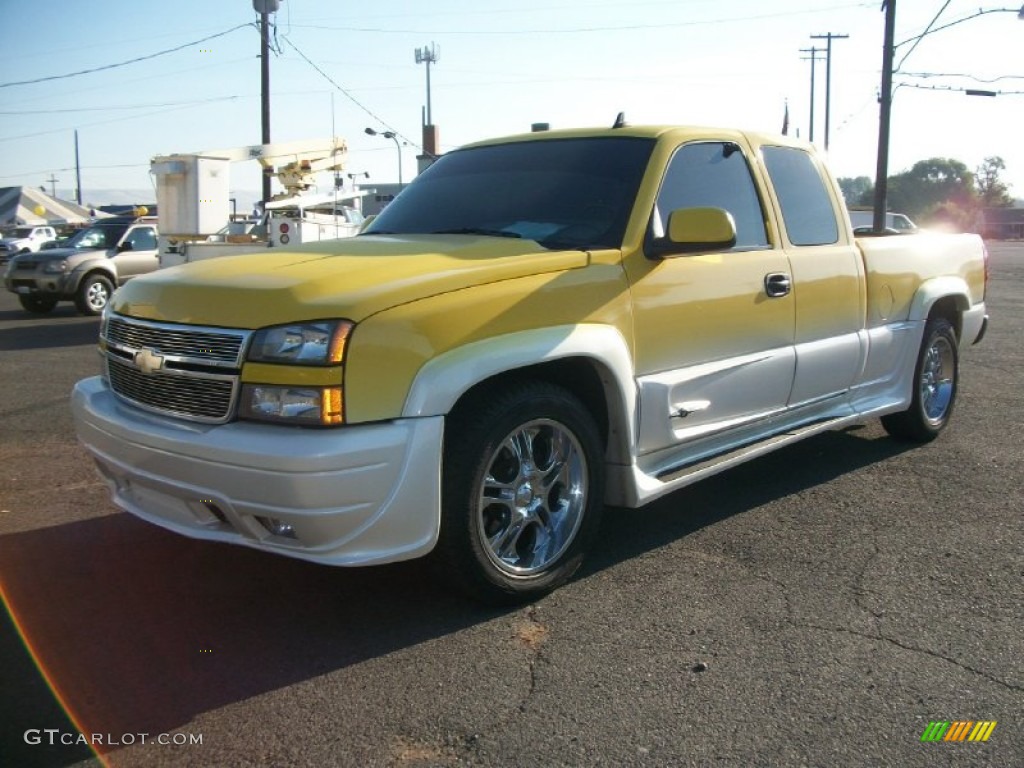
x=807, y=209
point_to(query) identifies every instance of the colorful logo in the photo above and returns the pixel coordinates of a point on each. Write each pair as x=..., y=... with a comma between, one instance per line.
x=958, y=730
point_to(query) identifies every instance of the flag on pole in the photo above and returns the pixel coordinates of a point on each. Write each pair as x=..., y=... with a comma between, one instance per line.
x=785, y=120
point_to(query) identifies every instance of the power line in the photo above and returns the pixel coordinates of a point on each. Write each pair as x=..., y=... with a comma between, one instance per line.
x=583, y=30
x=113, y=107
x=972, y=91
x=124, y=63
x=919, y=38
x=962, y=74
x=117, y=119
x=71, y=168
x=348, y=95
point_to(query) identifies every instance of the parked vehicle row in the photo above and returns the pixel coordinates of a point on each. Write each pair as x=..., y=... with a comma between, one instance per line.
x=25, y=240
x=86, y=268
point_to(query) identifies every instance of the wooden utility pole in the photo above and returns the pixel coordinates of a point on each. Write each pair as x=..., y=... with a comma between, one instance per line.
x=884, y=115
x=829, y=37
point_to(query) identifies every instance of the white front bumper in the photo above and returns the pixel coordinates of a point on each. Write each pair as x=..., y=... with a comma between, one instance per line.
x=353, y=495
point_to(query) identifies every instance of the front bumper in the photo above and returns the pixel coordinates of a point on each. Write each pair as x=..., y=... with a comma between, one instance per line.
x=974, y=324
x=353, y=496
x=37, y=282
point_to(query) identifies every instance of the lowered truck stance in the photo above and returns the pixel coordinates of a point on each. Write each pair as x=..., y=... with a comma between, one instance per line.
x=536, y=327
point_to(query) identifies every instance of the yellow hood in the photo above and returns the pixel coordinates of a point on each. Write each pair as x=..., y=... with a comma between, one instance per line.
x=351, y=278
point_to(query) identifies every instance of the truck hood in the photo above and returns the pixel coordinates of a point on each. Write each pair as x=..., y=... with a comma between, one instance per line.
x=56, y=254
x=350, y=278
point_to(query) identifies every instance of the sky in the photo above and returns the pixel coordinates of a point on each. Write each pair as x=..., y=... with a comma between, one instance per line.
x=339, y=68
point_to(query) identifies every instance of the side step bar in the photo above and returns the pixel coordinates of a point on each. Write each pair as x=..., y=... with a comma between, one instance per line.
x=709, y=465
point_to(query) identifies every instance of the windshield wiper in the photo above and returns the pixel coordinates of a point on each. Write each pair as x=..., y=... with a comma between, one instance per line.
x=477, y=231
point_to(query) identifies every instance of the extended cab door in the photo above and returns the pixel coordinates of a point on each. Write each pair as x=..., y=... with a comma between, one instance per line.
x=828, y=278
x=137, y=253
x=713, y=329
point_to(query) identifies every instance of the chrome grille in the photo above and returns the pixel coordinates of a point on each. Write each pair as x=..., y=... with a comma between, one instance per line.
x=179, y=394
x=219, y=348
x=191, y=372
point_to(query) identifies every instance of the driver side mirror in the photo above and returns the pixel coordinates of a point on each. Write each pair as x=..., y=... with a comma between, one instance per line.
x=125, y=246
x=691, y=230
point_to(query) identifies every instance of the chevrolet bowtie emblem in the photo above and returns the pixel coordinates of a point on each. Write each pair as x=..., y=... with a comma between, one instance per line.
x=148, y=361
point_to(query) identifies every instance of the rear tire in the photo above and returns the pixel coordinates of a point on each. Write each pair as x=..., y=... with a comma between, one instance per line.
x=93, y=294
x=936, y=378
x=38, y=305
x=522, y=492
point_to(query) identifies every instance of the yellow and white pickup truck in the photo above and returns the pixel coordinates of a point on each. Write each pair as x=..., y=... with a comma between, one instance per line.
x=536, y=327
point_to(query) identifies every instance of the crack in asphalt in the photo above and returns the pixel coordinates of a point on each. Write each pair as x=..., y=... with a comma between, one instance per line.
x=533, y=642
x=789, y=619
x=912, y=648
x=860, y=591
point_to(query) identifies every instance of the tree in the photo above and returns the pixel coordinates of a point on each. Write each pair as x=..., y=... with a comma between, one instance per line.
x=857, y=191
x=929, y=184
x=992, y=191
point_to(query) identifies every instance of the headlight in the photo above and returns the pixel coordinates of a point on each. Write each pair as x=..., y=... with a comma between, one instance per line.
x=308, y=406
x=56, y=267
x=317, y=343
x=105, y=321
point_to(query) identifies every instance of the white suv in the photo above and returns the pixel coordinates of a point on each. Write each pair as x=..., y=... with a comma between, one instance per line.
x=25, y=240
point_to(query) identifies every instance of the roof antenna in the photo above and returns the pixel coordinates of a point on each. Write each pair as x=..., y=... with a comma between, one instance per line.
x=620, y=120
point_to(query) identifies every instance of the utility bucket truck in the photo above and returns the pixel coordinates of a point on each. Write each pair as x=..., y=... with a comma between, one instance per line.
x=193, y=197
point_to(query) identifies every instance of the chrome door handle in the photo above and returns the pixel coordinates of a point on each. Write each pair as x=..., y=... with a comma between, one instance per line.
x=777, y=284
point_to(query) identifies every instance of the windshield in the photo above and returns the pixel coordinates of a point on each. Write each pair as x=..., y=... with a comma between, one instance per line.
x=96, y=237
x=562, y=193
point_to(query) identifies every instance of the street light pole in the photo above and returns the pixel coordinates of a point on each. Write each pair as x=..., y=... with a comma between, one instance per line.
x=398, y=147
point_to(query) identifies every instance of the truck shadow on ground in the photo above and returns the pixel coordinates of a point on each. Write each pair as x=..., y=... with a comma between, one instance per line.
x=74, y=331
x=140, y=630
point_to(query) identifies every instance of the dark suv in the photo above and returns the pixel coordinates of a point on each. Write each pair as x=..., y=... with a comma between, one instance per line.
x=87, y=267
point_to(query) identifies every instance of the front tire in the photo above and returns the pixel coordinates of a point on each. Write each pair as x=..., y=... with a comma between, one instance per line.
x=936, y=378
x=523, y=491
x=93, y=294
x=37, y=305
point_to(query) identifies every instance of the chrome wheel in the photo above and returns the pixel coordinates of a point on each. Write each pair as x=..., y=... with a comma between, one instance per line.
x=933, y=387
x=937, y=379
x=532, y=497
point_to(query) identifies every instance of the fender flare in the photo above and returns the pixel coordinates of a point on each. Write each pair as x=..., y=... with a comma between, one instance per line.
x=443, y=380
x=935, y=289
x=93, y=266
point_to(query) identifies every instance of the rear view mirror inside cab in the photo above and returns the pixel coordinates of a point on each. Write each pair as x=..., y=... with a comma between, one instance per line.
x=691, y=230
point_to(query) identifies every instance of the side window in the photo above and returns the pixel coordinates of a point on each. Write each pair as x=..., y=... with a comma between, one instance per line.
x=142, y=239
x=806, y=205
x=713, y=174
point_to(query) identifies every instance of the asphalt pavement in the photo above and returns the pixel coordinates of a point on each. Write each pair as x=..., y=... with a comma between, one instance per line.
x=820, y=606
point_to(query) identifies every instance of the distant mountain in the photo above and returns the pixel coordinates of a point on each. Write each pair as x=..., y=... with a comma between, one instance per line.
x=94, y=198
